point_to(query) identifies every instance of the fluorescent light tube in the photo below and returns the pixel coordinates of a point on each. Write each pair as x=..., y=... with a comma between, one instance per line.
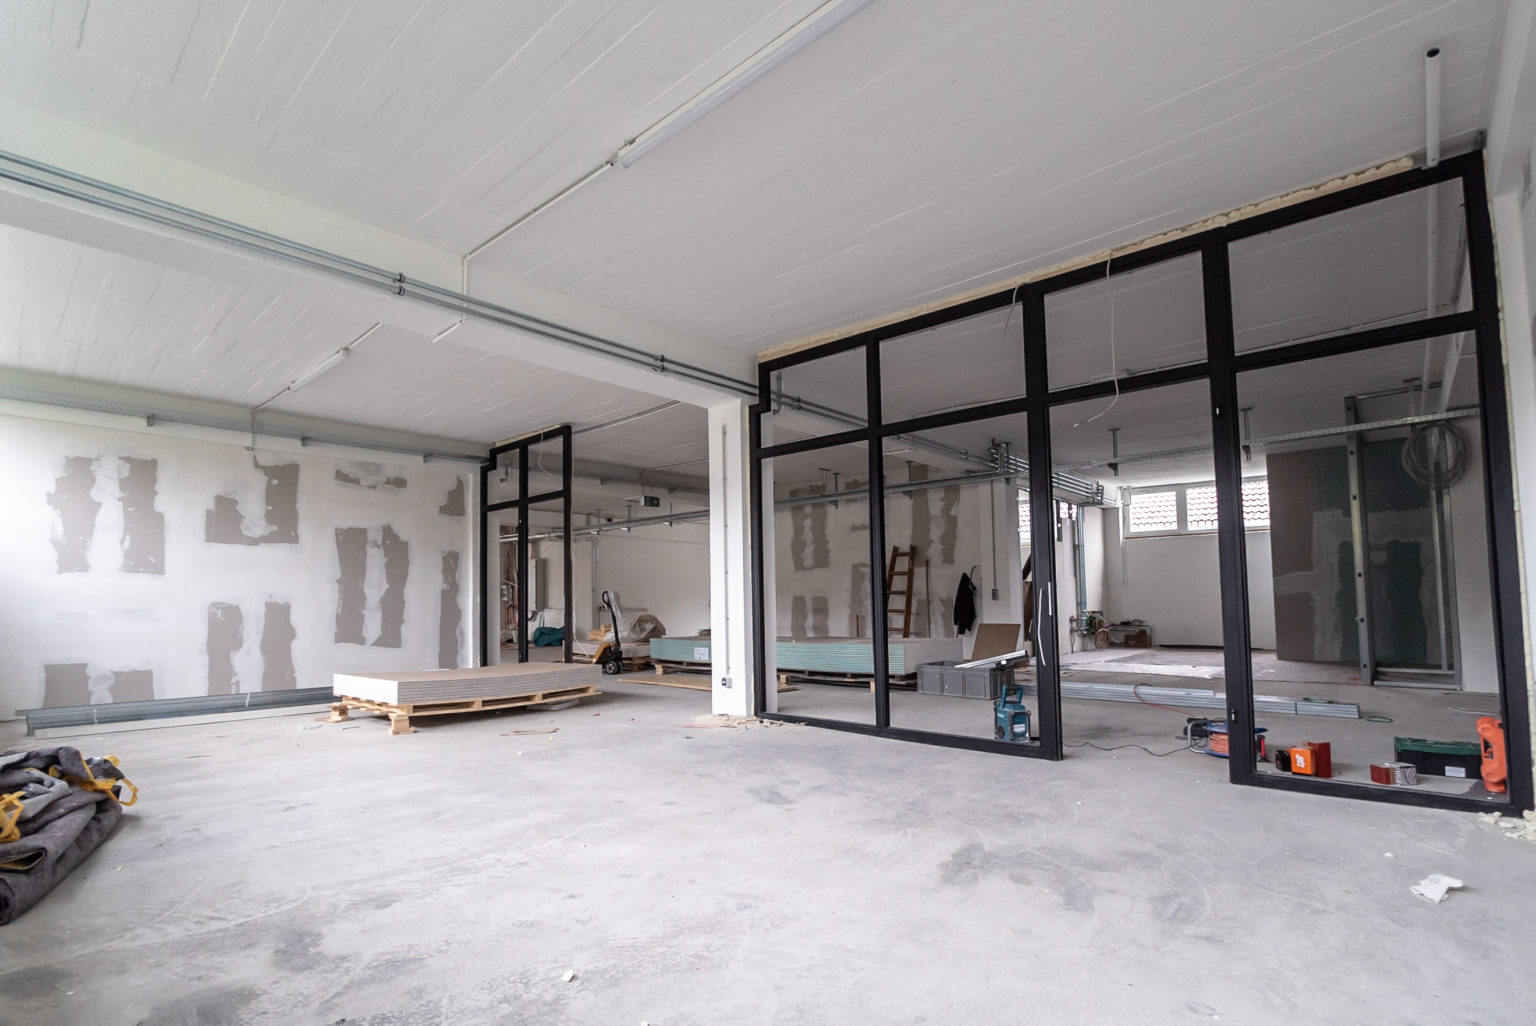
x=320, y=368
x=805, y=32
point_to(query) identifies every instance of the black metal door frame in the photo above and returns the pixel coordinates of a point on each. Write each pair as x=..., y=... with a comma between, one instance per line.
x=522, y=504
x=1219, y=369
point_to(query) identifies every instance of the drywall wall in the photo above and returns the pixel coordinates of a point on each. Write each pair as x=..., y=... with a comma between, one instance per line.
x=1174, y=581
x=822, y=559
x=167, y=562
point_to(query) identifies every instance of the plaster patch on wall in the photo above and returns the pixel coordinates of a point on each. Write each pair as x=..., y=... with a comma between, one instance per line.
x=946, y=624
x=226, y=635
x=373, y=567
x=143, y=525
x=819, y=613
x=455, y=504
x=66, y=684
x=949, y=524
x=76, y=509
x=808, y=546
x=277, y=636
x=397, y=567
x=797, y=616
x=372, y=476
x=450, y=617
x=129, y=686
x=226, y=523
x=223, y=523
x=352, y=561
x=282, y=503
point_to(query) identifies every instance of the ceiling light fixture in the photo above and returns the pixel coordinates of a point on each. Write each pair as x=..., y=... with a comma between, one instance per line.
x=319, y=369
x=802, y=34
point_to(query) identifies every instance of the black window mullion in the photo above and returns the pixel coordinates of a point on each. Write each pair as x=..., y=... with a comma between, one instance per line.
x=1227, y=445
x=1042, y=516
x=879, y=600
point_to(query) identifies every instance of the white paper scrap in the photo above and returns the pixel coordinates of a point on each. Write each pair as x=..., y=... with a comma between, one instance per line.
x=1435, y=886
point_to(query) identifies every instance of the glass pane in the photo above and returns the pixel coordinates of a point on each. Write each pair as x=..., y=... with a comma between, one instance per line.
x=955, y=563
x=963, y=363
x=1360, y=268
x=1200, y=508
x=819, y=586
x=1376, y=571
x=1153, y=511
x=1138, y=602
x=1255, y=502
x=1143, y=320
x=824, y=396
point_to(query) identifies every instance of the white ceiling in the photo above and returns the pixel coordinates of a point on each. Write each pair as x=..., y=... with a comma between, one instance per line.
x=917, y=151
x=437, y=119
x=82, y=313
x=921, y=150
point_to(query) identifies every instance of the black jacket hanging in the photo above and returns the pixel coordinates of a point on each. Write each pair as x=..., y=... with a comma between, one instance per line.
x=965, y=604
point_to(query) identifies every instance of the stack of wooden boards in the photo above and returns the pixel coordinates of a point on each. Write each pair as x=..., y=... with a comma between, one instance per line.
x=435, y=692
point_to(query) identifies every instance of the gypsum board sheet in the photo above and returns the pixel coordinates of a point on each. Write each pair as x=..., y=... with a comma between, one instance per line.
x=857, y=655
x=825, y=655
x=457, y=685
x=1198, y=698
x=681, y=650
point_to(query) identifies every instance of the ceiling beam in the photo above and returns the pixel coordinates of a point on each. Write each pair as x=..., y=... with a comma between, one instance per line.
x=40, y=206
x=73, y=393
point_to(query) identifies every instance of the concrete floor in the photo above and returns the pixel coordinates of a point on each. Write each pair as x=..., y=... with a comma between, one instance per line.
x=692, y=875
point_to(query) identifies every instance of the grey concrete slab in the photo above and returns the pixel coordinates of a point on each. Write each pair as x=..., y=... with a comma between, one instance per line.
x=705, y=875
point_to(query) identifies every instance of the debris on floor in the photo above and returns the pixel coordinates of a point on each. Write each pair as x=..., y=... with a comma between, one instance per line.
x=723, y=720
x=570, y=976
x=536, y=730
x=1435, y=887
x=1522, y=829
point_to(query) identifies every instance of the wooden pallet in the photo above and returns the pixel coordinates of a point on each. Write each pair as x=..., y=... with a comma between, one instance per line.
x=861, y=679
x=400, y=715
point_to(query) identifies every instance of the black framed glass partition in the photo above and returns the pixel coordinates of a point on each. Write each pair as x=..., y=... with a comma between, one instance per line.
x=1168, y=386
x=525, y=485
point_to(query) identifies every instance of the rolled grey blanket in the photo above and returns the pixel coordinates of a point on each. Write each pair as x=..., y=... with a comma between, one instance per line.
x=60, y=826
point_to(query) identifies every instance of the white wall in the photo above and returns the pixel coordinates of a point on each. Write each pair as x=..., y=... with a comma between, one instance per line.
x=960, y=528
x=1474, y=595
x=660, y=570
x=120, y=622
x=1175, y=582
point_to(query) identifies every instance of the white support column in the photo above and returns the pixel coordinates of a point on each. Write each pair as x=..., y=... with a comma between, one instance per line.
x=730, y=559
x=1517, y=288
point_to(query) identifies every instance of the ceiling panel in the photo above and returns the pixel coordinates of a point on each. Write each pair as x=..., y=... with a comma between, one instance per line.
x=82, y=313
x=918, y=151
x=439, y=119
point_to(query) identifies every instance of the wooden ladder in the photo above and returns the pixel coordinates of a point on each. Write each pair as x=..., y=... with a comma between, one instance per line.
x=902, y=568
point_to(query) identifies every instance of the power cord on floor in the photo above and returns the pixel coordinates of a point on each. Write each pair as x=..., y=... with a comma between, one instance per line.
x=1116, y=748
x=1192, y=741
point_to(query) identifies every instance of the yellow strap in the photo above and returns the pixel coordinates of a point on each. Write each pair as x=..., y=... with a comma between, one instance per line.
x=104, y=785
x=10, y=812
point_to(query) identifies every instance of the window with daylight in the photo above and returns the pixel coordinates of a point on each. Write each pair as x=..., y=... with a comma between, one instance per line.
x=1191, y=508
x=1153, y=512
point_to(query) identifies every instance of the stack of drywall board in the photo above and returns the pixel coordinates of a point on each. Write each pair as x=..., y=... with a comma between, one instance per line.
x=851, y=656
x=426, y=686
